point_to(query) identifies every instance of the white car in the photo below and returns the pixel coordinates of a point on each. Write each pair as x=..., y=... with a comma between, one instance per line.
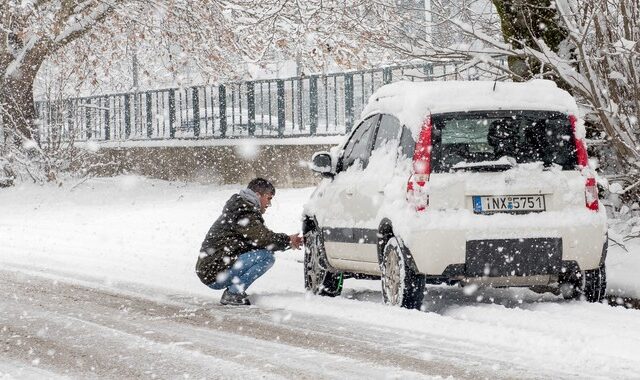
x=459, y=182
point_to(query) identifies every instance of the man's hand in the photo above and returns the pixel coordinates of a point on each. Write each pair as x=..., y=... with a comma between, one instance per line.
x=295, y=241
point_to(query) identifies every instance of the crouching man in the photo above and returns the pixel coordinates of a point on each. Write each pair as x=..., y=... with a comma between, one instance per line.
x=238, y=247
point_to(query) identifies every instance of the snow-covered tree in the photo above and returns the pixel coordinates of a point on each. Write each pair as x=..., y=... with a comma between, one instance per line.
x=211, y=42
x=80, y=45
x=30, y=31
x=590, y=47
x=91, y=43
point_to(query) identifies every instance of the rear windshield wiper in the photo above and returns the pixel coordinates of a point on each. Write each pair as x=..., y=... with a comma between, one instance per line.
x=501, y=164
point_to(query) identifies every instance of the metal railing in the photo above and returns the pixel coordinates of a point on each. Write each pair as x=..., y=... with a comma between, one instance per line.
x=298, y=106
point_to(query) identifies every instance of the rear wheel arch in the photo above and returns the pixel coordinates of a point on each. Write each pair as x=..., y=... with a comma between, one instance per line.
x=605, y=250
x=590, y=285
x=385, y=232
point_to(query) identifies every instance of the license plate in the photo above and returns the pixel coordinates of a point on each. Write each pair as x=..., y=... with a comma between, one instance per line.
x=508, y=203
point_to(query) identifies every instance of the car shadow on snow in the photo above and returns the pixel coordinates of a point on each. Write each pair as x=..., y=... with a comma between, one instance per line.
x=366, y=295
x=439, y=299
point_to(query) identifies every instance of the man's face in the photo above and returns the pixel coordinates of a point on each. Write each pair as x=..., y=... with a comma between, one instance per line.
x=265, y=201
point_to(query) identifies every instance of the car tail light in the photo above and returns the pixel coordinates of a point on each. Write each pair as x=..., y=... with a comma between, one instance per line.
x=581, y=149
x=417, y=184
x=591, y=186
x=591, y=194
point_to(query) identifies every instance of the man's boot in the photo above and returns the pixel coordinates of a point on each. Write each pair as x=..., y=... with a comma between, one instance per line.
x=236, y=299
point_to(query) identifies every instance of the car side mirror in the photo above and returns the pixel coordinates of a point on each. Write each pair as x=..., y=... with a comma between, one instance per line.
x=321, y=163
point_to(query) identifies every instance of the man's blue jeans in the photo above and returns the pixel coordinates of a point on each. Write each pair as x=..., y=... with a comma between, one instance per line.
x=247, y=268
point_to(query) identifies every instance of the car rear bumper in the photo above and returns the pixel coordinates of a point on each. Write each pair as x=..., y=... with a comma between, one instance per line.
x=516, y=245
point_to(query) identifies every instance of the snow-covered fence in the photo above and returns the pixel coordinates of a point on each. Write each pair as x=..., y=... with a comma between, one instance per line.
x=298, y=106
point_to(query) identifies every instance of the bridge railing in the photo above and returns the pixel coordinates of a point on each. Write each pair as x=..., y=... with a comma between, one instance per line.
x=298, y=106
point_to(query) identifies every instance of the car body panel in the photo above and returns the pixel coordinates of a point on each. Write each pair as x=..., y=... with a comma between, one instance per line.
x=438, y=245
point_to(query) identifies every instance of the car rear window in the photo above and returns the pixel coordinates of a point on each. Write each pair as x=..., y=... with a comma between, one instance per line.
x=526, y=136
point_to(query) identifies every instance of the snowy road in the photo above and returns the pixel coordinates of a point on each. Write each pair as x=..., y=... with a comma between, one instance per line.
x=80, y=330
x=86, y=331
x=98, y=282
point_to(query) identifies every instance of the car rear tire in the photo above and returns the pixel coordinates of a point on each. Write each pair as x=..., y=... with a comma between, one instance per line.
x=401, y=285
x=317, y=278
x=589, y=285
x=593, y=284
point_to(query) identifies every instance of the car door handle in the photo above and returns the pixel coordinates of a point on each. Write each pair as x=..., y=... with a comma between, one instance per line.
x=349, y=193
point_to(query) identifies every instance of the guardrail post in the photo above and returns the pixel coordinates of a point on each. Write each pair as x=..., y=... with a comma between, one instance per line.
x=149, y=115
x=251, y=108
x=313, y=104
x=107, y=127
x=195, y=103
x=387, y=75
x=348, y=102
x=281, y=110
x=172, y=113
x=87, y=118
x=222, y=110
x=107, y=119
x=70, y=119
x=428, y=71
x=127, y=116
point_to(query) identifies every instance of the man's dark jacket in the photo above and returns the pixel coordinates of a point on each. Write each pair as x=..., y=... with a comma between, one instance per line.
x=239, y=229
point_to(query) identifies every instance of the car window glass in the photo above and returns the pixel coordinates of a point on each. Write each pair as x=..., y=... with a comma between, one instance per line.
x=407, y=143
x=359, y=148
x=388, y=130
x=526, y=136
x=357, y=134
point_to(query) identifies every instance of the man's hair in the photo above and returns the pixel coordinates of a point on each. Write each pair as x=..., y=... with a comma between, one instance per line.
x=262, y=186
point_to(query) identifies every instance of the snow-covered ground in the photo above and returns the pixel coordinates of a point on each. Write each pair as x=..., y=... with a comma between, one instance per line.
x=119, y=233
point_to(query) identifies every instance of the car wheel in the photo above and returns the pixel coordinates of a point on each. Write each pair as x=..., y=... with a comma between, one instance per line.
x=317, y=278
x=593, y=284
x=589, y=285
x=401, y=285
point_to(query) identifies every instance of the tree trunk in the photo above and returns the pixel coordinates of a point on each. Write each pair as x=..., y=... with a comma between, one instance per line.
x=18, y=108
x=525, y=22
x=16, y=96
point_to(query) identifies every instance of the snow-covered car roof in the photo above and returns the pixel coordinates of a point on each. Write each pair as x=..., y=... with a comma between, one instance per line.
x=411, y=102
